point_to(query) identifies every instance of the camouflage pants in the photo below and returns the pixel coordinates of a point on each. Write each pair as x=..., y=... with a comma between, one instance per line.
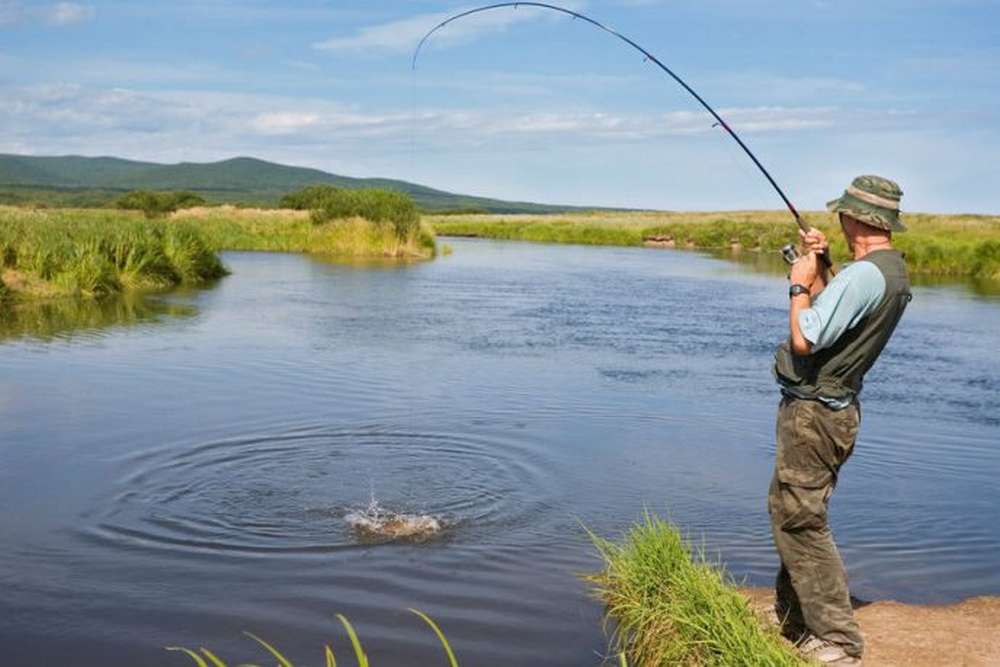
x=813, y=443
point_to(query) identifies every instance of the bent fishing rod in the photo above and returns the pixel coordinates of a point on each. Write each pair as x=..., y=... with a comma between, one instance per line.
x=649, y=57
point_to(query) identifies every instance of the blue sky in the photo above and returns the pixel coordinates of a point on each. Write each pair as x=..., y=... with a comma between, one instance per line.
x=526, y=104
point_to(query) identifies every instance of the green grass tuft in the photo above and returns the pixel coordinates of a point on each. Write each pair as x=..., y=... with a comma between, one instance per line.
x=670, y=607
x=95, y=253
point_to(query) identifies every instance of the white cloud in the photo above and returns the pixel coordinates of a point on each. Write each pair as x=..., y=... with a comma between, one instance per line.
x=403, y=35
x=66, y=13
x=53, y=112
x=284, y=122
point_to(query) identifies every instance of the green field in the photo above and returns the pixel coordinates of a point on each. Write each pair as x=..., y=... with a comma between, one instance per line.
x=935, y=245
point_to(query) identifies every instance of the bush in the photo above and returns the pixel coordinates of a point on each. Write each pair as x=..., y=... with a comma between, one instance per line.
x=382, y=207
x=158, y=203
x=308, y=198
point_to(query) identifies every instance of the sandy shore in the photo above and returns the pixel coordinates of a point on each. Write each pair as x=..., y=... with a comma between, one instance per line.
x=965, y=634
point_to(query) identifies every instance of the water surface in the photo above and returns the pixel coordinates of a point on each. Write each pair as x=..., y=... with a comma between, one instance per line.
x=179, y=471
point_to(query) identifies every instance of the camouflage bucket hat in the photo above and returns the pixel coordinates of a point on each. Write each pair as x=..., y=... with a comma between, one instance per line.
x=872, y=200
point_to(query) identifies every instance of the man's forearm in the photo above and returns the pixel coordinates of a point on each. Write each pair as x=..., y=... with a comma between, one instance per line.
x=800, y=345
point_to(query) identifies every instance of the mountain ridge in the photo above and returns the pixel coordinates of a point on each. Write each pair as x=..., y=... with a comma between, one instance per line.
x=241, y=179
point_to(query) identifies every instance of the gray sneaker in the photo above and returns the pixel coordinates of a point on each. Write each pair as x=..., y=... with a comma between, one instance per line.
x=827, y=653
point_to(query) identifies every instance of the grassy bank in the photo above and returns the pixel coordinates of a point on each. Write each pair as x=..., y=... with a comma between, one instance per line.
x=230, y=228
x=942, y=245
x=671, y=608
x=94, y=253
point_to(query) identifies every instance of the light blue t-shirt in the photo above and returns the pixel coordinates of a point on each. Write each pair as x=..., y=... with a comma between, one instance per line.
x=851, y=296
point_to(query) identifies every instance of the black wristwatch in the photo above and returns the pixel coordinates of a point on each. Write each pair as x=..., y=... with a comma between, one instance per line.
x=797, y=289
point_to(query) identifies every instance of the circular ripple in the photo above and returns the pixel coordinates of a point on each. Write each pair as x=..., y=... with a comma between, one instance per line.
x=291, y=492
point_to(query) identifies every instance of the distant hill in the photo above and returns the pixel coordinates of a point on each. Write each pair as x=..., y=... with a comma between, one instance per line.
x=238, y=180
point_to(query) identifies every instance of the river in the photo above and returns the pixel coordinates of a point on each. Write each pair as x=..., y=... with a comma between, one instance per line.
x=176, y=470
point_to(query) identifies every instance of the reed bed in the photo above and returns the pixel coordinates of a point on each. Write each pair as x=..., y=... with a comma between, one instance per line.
x=935, y=245
x=95, y=253
x=231, y=228
x=670, y=606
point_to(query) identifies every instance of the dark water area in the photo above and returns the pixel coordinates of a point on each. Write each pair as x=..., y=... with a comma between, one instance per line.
x=179, y=470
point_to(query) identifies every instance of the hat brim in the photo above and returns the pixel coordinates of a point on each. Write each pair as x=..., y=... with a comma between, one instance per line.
x=874, y=216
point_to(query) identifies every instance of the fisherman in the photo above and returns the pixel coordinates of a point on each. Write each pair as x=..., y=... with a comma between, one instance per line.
x=838, y=329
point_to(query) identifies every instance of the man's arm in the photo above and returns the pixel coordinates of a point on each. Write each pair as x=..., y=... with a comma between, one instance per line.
x=805, y=271
x=818, y=322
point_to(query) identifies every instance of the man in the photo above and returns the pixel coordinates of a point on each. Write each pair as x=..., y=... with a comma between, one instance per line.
x=837, y=330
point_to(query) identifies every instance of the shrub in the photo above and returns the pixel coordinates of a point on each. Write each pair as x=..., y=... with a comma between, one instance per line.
x=383, y=207
x=153, y=204
x=308, y=198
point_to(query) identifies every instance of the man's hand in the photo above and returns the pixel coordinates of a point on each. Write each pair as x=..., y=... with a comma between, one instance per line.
x=814, y=241
x=804, y=270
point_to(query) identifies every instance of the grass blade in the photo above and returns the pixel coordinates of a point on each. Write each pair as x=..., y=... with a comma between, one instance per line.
x=330, y=660
x=194, y=656
x=427, y=619
x=355, y=642
x=282, y=660
x=214, y=659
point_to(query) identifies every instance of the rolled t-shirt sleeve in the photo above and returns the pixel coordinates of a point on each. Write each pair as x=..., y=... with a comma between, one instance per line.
x=851, y=296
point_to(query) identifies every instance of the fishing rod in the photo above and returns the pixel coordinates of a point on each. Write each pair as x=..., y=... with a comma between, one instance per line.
x=649, y=57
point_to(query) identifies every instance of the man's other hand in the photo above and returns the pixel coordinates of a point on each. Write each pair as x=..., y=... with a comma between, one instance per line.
x=804, y=270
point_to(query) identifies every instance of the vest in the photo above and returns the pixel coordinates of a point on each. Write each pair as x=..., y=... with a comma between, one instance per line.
x=838, y=371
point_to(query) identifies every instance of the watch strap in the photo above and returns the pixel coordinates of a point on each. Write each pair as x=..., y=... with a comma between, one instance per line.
x=797, y=289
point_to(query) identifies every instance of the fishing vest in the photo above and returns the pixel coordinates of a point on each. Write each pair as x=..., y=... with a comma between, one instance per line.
x=838, y=371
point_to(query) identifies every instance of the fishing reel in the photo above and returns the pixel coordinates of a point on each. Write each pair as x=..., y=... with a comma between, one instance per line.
x=790, y=253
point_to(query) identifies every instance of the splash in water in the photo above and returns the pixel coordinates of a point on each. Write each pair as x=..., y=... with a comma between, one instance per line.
x=377, y=523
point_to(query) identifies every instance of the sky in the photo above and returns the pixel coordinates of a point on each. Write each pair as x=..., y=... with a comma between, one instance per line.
x=527, y=104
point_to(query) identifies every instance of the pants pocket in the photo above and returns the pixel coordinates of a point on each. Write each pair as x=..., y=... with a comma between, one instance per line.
x=802, y=501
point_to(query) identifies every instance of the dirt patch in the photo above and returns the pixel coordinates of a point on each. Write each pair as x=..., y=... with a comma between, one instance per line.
x=16, y=281
x=965, y=634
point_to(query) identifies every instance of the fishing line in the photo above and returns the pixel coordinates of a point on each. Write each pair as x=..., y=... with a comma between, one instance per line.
x=647, y=57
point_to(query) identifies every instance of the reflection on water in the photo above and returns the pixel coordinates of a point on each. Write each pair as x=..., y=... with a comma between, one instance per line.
x=63, y=318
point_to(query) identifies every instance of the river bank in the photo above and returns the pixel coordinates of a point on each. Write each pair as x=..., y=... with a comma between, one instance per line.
x=963, y=633
x=47, y=254
x=935, y=245
x=668, y=604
